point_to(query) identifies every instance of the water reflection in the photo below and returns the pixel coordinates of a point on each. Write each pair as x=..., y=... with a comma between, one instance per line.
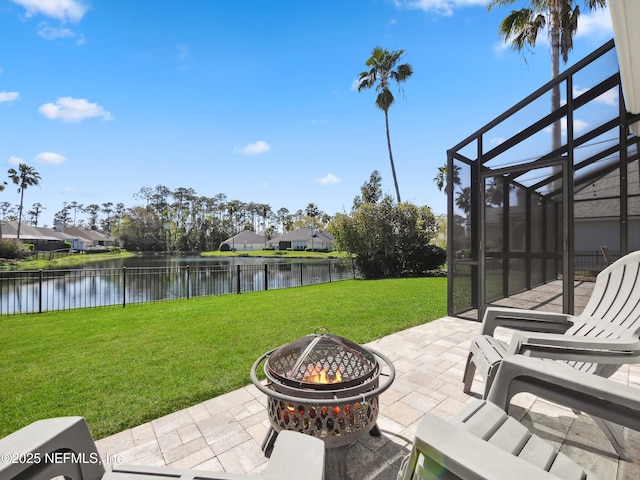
x=151, y=278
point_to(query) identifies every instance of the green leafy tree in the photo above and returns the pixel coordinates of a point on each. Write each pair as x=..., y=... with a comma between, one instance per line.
x=24, y=177
x=371, y=191
x=140, y=229
x=383, y=69
x=388, y=239
x=521, y=27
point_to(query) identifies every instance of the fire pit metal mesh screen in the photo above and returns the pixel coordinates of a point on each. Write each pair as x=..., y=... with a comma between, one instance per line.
x=325, y=386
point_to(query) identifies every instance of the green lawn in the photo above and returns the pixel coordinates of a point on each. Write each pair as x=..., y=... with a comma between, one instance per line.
x=120, y=367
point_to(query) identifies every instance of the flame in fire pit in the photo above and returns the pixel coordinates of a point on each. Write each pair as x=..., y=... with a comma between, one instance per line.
x=318, y=374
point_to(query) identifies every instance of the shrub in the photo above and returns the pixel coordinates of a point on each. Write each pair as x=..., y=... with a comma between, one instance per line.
x=10, y=249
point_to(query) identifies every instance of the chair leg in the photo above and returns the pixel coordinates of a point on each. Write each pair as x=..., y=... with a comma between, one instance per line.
x=469, y=372
x=489, y=381
x=615, y=435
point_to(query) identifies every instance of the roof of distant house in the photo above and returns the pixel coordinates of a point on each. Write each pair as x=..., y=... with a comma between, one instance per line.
x=246, y=237
x=305, y=234
x=29, y=232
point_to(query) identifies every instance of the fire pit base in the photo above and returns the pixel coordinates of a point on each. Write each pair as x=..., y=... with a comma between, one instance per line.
x=272, y=435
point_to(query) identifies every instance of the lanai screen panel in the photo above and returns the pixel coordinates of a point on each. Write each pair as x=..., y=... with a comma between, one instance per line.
x=464, y=261
x=548, y=213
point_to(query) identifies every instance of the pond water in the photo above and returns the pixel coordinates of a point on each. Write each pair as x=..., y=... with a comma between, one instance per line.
x=149, y=278
x=191, y=259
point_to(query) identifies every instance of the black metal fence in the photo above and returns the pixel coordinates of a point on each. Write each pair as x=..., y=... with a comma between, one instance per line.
x=38, y=291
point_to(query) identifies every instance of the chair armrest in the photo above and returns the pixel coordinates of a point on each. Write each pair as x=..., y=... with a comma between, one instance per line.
x=49, y=448
x=573, y=348
x=466, y=455
x=521, y=319
x=294, y=455
x=562, y=384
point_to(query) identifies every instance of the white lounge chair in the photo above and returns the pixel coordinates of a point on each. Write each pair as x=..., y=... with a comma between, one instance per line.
x=483, y=442
x=603, y=337
x=611, y=404
x=64, y=447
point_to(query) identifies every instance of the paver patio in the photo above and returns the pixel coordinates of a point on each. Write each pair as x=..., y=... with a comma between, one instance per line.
x=225, y=433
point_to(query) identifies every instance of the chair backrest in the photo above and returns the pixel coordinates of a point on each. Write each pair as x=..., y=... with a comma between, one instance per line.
x=613, y=311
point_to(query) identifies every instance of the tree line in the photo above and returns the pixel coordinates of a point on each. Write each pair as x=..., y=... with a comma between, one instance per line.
x=167, y=220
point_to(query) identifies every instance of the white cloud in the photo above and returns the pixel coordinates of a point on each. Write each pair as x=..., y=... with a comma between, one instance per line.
x=71, y=109
x=63, y=10
x=54, y=33
x=15, y=161
x=610, y=97
x=579, y=126
x=596, y=24
x=329, y=179
x=9, y=96
x=49, y=158
x=254, y=148
x=441, y=7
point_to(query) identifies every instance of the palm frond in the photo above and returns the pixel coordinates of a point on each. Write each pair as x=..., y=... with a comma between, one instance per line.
x=385, y=99
x=595, y=4
x=521, y=27
x=403, y=72
x=499, y=3
x=568, y=28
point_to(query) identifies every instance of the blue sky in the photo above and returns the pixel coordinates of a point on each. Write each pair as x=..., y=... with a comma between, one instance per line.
x=252, y=99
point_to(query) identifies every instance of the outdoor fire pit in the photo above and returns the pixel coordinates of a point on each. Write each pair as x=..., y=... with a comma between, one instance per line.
x=325, y=386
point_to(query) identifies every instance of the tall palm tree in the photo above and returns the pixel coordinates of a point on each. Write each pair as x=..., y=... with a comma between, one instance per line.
x=382, y=70
x=24, y=177
x=521, y=27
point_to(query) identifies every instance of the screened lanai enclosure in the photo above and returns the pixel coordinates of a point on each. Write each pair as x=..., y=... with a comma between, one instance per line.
x=542, y=194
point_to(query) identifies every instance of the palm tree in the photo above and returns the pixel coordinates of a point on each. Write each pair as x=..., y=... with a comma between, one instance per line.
x=26, y=176
x=383, y=69
x=441, y=178
x=521, y=27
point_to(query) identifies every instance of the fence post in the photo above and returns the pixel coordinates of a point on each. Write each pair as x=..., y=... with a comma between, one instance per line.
x=329, y=271
x=238, y=279
x=40, y=289
x=301, y=281
x=266, y=277
x=188, y=281
x=124, y=287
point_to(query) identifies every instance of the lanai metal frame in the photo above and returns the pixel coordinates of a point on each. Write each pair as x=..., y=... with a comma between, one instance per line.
x=512, y=197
